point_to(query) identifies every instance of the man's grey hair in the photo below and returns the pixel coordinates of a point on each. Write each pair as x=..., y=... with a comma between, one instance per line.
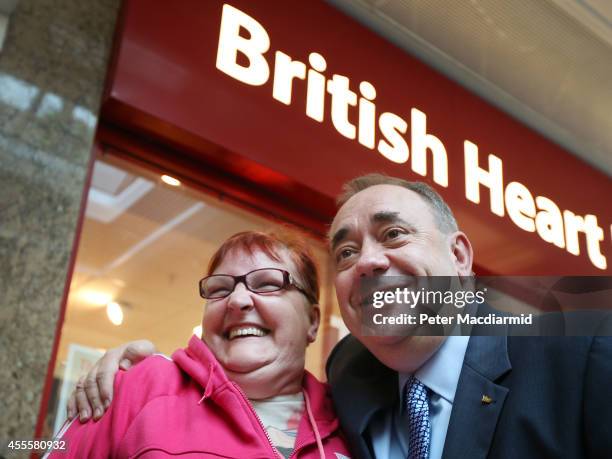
x=443, y=214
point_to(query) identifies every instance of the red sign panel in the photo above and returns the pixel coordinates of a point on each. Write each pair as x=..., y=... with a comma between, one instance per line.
x=296, y=98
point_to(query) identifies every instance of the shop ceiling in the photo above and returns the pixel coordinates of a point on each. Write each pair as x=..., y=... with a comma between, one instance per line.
x=548, y=63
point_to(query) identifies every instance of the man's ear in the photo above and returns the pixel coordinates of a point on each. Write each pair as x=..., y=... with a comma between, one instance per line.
x=461, y=248
x=315, y=320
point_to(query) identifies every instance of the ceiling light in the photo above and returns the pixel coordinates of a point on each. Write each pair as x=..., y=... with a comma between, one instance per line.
x=114, y=313
x=95, y=297
x=170, y=180
x=198, y=331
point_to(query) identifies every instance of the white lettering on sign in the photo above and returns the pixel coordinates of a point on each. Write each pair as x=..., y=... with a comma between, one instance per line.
x=254, y=47
x=315, y=101
x=344, y=100
x=286, y=70
x=492, y=178
x=393, y=146
x=421, y=142
x=535, y=215
x=539, y=215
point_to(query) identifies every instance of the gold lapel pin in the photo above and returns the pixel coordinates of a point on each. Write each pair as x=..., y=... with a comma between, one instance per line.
x=486, y=400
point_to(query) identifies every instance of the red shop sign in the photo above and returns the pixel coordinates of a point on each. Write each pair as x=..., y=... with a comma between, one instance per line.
x=296, y=97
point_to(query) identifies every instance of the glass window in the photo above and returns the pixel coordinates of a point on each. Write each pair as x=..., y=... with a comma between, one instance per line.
x=144, y=244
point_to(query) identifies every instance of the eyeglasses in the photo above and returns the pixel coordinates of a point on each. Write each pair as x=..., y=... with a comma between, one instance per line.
x=264, y=280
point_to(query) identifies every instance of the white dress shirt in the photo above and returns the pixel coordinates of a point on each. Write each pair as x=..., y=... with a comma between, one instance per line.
x=389, y=432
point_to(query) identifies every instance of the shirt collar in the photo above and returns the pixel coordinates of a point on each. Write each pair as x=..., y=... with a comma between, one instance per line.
x=441, y=372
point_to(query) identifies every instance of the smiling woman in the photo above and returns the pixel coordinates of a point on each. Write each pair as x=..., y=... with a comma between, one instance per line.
x=260, y=337
x=142, y=250
x=239, y=391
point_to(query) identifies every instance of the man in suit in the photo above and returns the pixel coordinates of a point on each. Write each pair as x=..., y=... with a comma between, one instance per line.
x=488, y=396
x=436, y=396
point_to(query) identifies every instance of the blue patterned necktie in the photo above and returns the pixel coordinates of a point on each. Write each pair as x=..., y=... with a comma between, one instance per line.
x=417, y=404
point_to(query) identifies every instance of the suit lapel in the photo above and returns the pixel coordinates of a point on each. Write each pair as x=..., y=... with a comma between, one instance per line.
x=362, y=388
x=478, y=399
x=366, y=403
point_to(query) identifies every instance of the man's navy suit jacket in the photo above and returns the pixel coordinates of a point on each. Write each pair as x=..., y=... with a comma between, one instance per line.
x=551, y=397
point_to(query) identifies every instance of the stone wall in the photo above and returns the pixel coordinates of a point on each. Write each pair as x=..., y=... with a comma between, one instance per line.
x=52, y=70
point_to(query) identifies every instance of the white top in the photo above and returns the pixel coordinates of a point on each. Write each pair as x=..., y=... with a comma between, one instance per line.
x=280, y=417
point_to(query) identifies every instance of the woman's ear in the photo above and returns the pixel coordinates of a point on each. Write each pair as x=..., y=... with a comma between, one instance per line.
x=461, y=248
x=315, y=320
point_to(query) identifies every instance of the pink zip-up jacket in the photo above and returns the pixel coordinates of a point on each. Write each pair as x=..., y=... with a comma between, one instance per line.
x=187, y=407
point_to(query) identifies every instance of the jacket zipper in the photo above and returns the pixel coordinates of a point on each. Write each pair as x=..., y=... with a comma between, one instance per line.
x=274, y=450
x=297, y=448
